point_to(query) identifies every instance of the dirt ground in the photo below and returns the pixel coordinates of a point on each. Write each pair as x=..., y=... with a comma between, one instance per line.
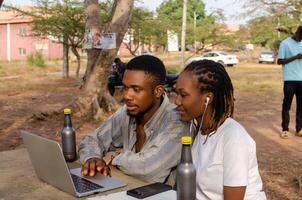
x=23, y=93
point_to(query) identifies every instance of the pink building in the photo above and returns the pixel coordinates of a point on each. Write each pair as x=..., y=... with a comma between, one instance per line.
x=17, y=42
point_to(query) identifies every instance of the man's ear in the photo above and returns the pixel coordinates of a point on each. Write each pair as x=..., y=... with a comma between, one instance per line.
x=159, y=90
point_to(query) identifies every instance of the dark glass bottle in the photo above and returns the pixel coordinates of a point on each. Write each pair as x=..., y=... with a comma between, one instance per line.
x=68, y=138
x=186, y=173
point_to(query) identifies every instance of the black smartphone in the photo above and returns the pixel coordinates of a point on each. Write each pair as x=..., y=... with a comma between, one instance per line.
x=149, y=190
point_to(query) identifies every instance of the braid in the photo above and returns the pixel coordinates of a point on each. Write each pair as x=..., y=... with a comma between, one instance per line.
x=212, y=77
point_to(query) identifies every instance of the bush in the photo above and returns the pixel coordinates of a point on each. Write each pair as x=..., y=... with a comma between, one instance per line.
x=36, y=59
x=174, y=70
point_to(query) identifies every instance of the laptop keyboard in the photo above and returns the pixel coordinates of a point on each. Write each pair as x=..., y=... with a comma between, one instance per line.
x=82, y=185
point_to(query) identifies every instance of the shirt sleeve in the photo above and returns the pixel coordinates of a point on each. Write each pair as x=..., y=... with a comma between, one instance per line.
x=282, y=51
x=97, y=144
x=155, y=161
x=236, y=162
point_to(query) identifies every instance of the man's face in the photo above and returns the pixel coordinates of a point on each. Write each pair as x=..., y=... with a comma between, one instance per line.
x=298, y=35
x=138, y=92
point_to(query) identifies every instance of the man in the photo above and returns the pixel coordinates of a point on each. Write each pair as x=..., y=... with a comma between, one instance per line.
x=289, y=56
x=116, y=77
x=147, y=127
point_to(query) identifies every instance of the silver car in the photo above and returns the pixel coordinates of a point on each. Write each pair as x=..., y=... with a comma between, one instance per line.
x=217, y=56
x=266, y=57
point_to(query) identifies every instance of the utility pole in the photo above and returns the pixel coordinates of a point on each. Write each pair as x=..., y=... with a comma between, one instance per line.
x=195, y=33
x=278, y=26
x=65, y=50
x=183, y=33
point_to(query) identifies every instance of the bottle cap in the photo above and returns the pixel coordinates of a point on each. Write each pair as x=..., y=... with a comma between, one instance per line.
x=186, y=140
x=67, y=111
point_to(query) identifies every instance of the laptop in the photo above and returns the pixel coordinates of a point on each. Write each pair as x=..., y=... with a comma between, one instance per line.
x=50, y=166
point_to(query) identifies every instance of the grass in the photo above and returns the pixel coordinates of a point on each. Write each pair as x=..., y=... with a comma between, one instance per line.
x=36, y=59
x=254, y=77
x=19, y=77
x=246, y=77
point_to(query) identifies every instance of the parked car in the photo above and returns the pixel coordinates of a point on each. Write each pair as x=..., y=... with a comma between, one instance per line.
x=217, y=56
x=266, y=57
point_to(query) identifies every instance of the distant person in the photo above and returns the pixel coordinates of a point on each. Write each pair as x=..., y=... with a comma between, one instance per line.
x=290, y=57
x=147, y=128
x=223, y=153
x=116, y=77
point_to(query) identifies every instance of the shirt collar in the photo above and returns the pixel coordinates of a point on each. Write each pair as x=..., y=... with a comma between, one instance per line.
x=152, y=123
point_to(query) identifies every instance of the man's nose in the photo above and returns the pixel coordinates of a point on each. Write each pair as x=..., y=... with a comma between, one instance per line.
x=177, y=100
x=127, y=95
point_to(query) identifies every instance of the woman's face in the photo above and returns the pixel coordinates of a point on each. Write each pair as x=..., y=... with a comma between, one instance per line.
x=190, y=101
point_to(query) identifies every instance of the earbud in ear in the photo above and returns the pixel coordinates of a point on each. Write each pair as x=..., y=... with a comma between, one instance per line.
x=207, y=100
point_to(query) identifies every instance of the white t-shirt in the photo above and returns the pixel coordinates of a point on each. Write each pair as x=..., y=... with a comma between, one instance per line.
x=228, y=158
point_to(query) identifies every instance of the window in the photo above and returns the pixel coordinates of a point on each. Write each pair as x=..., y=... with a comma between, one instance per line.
x=22, y=51
x=22, y=31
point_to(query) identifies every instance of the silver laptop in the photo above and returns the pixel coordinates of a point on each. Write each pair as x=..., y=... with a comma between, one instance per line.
x=50, y=166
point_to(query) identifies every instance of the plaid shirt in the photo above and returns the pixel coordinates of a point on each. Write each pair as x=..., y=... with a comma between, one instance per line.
x=160, y=153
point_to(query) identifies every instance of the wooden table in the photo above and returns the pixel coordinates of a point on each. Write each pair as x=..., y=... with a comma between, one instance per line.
x=19, y=181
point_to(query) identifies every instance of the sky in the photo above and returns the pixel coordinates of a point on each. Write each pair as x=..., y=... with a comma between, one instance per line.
x=231, y=8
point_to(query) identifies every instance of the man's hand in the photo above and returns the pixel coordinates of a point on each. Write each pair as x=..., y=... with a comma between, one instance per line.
x=299, y=56
x=94, y=165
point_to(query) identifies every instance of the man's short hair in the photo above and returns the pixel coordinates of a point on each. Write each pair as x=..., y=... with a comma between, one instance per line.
x=299, y=30
x=151, y=65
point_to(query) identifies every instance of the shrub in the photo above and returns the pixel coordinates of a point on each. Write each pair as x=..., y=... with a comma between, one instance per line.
x=36, y=59
x=174, y=69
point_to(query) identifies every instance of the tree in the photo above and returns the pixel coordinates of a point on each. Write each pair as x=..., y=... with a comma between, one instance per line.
x=286, y=14
x=209, y=34
x=63, y=21
x=170, y=13
x=171, y=10
x=1, y=1
x=140, y=29
x=274, y=20
x=94, y=98
x=209, y=31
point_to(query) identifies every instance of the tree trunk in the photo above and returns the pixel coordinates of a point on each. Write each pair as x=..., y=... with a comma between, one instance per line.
x=76, y=53
x=65, y=58
x=129, y=47
x=94, y=99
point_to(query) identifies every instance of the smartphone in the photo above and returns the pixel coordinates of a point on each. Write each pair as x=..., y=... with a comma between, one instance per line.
x=148, y=190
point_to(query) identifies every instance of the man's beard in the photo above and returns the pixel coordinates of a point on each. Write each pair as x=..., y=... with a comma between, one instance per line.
x=141, y=113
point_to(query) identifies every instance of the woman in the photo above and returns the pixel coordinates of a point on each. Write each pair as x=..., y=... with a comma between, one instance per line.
x=223, y=152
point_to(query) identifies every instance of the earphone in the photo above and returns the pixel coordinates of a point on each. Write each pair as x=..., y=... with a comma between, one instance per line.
x=205, y=110
x=207, y=100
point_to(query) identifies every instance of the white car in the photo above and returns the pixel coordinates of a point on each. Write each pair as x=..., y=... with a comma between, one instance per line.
x=266, y=57
x=217, y=56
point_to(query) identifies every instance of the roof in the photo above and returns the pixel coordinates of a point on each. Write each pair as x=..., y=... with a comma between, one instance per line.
x=11, y=17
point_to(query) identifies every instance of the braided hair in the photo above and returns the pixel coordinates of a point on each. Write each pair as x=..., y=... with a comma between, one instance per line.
x=212, y=77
